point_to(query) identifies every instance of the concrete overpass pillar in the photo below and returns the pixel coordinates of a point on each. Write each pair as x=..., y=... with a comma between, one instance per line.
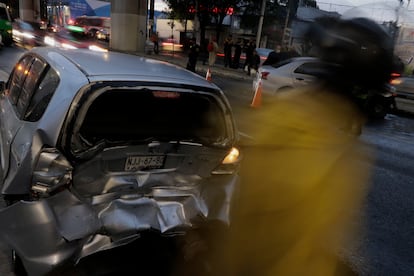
x=128, y=25
x=29, y=10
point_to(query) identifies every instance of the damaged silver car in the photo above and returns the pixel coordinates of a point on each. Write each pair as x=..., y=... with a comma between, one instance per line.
x=98, y=149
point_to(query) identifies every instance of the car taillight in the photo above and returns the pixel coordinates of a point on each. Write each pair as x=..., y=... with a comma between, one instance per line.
x=229, y=164
x=395, y=81
x=264, y=75
x=395, y=78
x=52, y=173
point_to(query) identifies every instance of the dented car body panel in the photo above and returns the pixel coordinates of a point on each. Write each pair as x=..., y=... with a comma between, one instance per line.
x=97, y=155
x=63, y=228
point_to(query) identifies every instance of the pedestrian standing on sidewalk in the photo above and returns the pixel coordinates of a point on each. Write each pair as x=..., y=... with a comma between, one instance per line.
x=204, y=51
x=254, y=62
x=249, y=48
x=154, y=39
x=237, y=53
x=193, y=53
x=212, y=51
x=228, y=45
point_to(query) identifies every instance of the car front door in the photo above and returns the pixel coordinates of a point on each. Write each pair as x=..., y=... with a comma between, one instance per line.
x=9, y=118
x=19, y=139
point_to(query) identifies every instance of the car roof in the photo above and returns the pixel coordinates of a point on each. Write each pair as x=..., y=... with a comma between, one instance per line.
x=291, y=62
x=111, y=65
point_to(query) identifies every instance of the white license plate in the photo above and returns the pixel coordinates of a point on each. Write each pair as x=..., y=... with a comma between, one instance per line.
x=134, y=163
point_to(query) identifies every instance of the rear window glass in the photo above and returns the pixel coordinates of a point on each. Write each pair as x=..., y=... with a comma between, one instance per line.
x=316, y=69
x=127, y=115
x=279, y=64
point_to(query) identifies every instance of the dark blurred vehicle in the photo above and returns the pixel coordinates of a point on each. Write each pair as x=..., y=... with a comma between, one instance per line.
x=263, y=53
x=274, y=57
x=28, y=33
x=98, y=150
x=294, y=72
x=5, y=25
x=95, y=26
x=73, y=37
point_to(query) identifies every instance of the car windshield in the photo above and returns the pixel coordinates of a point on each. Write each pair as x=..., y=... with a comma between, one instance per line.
x=139, y=116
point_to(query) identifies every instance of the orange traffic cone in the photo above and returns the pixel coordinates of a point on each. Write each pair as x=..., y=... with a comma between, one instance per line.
x=208, y=75
x=257, y=98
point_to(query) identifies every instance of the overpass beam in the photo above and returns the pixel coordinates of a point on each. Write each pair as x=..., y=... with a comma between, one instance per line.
x=29, y=10
x=128, y=25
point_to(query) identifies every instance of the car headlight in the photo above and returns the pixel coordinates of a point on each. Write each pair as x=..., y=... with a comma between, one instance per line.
x=68, y=46
x=52, y=173
x=28, y=35
x=49, y=41
x=97, y=48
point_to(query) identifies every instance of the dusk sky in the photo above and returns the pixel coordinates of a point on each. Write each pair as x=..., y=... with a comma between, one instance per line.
x=377, y=9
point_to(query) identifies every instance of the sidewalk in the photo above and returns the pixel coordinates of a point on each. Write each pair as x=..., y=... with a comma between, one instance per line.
x=180, y=59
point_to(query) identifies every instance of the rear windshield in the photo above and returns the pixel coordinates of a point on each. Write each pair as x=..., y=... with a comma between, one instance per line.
x=145, y=115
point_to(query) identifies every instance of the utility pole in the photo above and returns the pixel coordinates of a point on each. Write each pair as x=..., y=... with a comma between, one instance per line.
x=151, y=18
x=259, y=30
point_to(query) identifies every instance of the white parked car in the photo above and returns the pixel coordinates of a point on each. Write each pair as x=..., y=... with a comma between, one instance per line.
x=404, y=86
x=300, y=71
x=99, y=148
x=287, y=74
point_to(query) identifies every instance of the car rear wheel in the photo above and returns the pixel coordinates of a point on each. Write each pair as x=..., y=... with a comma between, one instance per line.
x=7, y=40
x=92, y=33
x=283, y=90
x=17, y=265
x=377, y=107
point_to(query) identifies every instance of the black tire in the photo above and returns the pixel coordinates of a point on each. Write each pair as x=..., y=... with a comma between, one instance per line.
x=17, y=265
x=7, y=40
x=377, y=108
x=283, y=89
x=92, y=33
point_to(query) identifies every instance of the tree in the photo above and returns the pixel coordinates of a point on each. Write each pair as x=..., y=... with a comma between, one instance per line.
x=207, y=11
x=221, y=10
x=276, y=14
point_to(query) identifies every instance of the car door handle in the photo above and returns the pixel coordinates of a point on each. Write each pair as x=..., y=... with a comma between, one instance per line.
x=300, y=79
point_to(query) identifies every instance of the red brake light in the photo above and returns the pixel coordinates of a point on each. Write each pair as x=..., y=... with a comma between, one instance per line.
x=166, y=94
x=264, y=75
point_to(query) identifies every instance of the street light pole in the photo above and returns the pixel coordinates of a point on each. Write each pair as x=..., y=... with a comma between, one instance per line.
x=259, y=30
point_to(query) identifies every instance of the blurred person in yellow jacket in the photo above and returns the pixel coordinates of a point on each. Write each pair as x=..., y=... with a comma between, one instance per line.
x=306, y=173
